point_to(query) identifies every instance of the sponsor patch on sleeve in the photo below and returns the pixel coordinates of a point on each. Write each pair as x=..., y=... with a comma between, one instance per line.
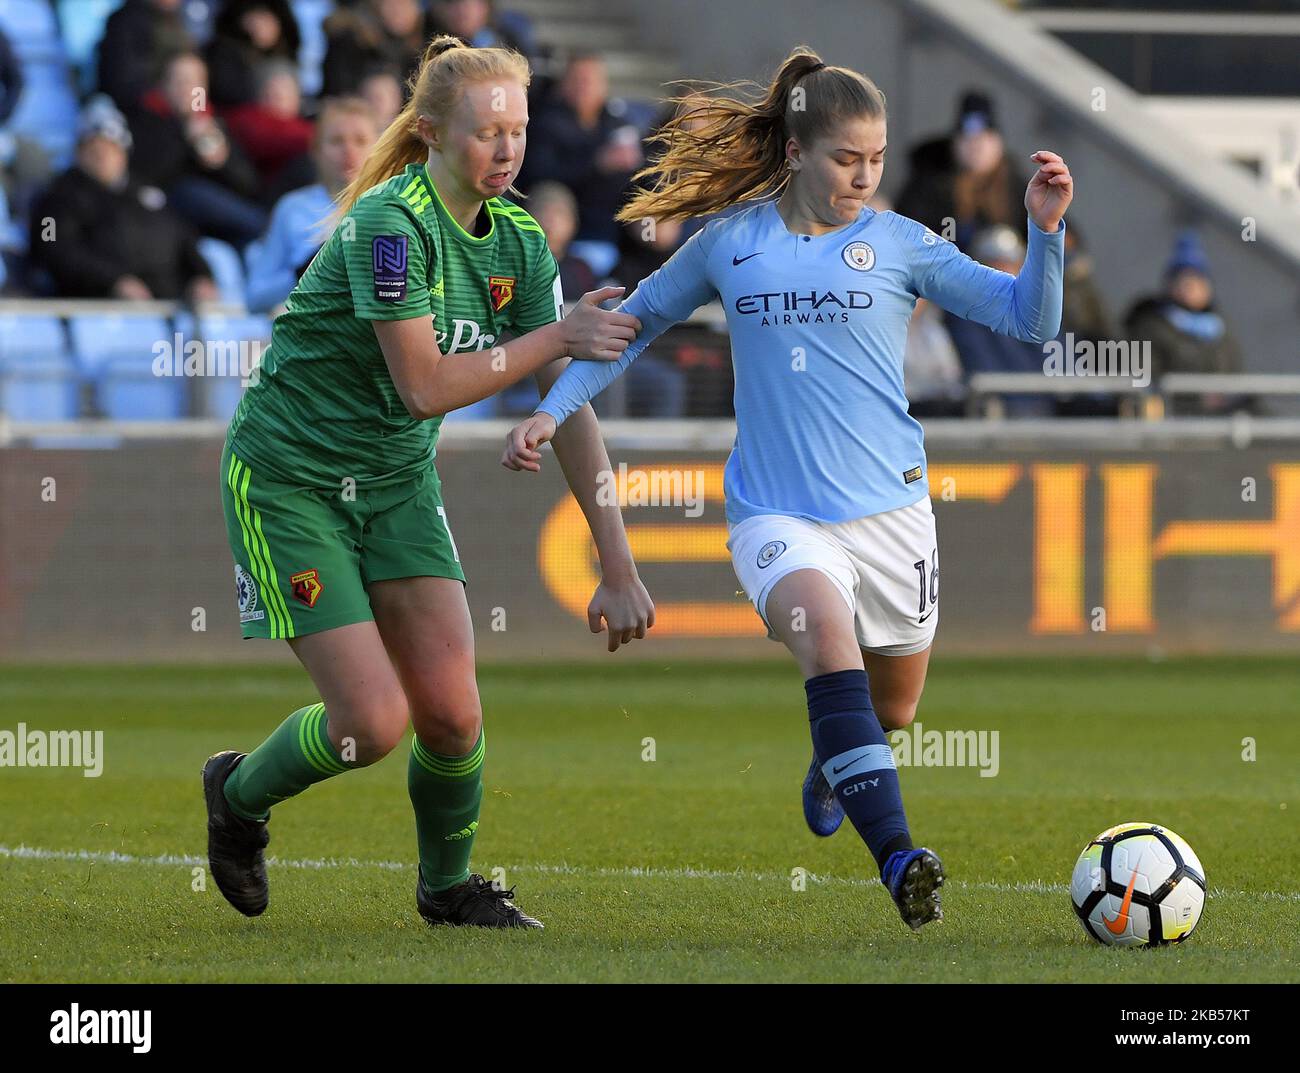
x=912, y=475
x=388, y=257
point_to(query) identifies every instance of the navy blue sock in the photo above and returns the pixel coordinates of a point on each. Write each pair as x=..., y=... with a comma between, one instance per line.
x=856, y=760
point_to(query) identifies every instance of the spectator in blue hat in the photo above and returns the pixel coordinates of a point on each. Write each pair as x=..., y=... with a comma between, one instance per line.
x=1186, y=332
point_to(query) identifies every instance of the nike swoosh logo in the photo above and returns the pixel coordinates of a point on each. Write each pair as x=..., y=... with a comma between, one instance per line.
x=925, y=616
x=741, y=260
x=1117, y=926
x=837, y=770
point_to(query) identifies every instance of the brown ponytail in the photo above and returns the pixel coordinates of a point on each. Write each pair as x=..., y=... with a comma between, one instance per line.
x=719, y=150
x=448, y=65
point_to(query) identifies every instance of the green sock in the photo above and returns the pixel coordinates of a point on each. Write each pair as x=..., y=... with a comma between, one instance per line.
x=297, y=754
x=446, y=792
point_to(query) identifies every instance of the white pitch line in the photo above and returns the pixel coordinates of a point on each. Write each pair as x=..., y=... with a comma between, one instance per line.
x=167, y=860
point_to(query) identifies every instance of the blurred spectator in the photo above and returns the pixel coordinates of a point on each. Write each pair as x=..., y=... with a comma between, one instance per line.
x=478, y=23
x=345, y=132
x=1083, y=311
x=554, y=207
x=139, y=38
x=655, y=386
x=11, y=79
x=643, y=247
x=100, y=234
x=382, y=90
x=963, y=183
x=1085, y=316
x=5, y=237
x=932, y=374
x=24, y=164
x=182, y=149
x=983, y=350
x=271, y=130
x=1186, y=333
x=373, y=35
x=576, y=139
x=247, y=34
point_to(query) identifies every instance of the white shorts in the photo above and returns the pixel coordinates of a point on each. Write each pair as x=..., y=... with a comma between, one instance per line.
x=885, y=565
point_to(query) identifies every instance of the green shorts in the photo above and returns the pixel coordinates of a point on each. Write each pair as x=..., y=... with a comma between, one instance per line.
x=304, y=556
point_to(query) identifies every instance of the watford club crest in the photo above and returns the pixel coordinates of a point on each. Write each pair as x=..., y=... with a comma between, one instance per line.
x=306, y=587
x=502, y=289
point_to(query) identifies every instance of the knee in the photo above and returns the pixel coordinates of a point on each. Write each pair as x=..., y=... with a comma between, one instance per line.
x=373, y=728
x=895, y=714
x=449, y=725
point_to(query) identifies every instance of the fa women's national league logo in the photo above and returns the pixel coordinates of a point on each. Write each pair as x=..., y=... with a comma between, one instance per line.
x=388, y=259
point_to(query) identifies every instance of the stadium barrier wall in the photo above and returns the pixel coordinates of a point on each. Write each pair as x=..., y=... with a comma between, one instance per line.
x=1123, y=541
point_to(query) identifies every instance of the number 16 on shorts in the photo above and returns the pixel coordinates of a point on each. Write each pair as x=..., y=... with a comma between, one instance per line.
x=929, y=586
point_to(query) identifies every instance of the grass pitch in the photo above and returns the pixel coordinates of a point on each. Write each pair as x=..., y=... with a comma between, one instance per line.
x=672, y=869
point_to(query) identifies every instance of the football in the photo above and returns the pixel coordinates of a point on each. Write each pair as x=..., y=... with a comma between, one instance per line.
x=1138, y=884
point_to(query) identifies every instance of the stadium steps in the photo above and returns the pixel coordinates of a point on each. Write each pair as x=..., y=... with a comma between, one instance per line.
x=566, y=26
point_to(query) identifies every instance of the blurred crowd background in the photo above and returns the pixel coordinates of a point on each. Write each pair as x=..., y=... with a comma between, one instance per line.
x=186, y=150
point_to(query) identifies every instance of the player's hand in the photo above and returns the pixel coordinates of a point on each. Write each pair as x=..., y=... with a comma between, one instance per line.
x=626, y=608
x=523, y=441
x=1050, y=191
x=595, y=334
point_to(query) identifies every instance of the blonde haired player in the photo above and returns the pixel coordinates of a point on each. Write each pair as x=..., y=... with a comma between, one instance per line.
x=333, y=505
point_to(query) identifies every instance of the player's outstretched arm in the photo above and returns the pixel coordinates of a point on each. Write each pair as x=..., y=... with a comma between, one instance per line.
x=430, y=386
x=1025, y=306
x=665, y=297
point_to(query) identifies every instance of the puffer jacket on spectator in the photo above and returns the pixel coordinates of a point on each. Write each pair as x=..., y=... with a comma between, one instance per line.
x=101, y=235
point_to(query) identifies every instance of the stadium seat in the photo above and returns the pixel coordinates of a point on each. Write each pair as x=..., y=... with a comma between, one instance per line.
x=82, y=25
x=38, y=379
x=238, y=336
x=127, y=390
x=39, y=387
x=47, y=110
x=32, y=30
x=227, y=269
x=98, y=337
x=311, y=16
x=200, y=17
x=24, y=335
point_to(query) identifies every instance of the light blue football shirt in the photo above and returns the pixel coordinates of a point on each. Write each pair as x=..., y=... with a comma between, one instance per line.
x=818, y=327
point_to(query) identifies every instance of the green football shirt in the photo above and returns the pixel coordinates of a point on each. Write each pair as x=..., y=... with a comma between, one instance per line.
x=323, y=407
